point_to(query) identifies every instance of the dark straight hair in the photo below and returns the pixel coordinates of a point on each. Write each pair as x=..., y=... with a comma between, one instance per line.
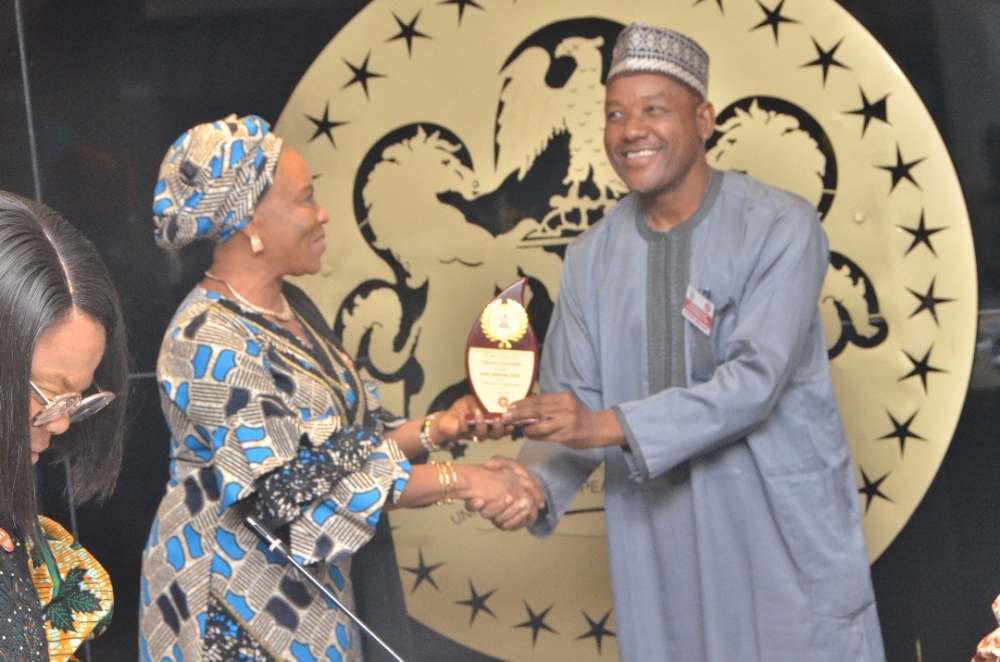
x=48, y=269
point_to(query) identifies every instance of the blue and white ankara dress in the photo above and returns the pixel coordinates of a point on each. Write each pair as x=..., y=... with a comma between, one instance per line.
x=260, y=424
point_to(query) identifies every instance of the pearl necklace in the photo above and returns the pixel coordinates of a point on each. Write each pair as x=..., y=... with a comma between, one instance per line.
x=284, y=315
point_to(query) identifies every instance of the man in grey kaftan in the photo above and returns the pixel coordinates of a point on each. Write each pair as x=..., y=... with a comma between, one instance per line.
x=734, y=528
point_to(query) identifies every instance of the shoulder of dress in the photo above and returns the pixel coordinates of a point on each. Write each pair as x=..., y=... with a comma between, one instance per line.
x=207, y=318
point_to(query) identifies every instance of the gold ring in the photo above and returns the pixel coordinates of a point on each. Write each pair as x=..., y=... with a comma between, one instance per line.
x=475, y=439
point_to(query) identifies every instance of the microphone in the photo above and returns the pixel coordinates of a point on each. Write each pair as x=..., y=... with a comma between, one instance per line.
x=276, y=546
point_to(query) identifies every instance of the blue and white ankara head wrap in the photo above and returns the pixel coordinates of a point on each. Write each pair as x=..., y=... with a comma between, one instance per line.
x=648, y=49
x=212, y=178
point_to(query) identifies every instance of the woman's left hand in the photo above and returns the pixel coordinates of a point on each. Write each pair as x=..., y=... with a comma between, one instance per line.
x=451, y=424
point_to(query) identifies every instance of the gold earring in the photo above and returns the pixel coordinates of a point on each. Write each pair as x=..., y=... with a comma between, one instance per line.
x=256, y=245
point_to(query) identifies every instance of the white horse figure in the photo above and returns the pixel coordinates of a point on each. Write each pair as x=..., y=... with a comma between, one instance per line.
x=462, y=264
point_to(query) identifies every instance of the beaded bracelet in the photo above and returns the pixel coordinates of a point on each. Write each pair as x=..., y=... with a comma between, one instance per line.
x=425, y=436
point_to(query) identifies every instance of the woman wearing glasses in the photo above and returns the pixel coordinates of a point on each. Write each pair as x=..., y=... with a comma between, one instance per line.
x=61, y=334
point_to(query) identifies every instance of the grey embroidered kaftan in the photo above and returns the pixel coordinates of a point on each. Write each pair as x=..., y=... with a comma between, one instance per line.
x=733, y=522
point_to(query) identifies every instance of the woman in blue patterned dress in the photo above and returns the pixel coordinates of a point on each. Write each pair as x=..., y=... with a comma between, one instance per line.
x=269, y=417
x=61, y=334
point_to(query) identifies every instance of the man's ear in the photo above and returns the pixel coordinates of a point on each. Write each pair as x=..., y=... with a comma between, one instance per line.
x=705, y=118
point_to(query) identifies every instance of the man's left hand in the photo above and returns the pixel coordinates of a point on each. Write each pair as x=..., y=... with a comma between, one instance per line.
x=561, y=418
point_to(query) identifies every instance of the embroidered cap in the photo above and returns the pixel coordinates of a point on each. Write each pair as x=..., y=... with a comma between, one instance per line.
x=648, y=49
x=212, y=178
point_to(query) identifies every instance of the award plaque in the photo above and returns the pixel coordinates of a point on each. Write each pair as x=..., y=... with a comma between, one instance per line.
x=501, y=357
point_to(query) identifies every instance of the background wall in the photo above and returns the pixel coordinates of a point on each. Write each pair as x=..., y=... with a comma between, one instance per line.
x=113, y=82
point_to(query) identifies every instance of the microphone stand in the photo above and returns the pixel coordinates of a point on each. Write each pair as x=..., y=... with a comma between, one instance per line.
x=276, y=546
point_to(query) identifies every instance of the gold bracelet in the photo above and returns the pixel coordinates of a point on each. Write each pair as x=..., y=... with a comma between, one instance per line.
x=425, y=434
x=448, y=479
x=453, y=485
x=441, y=479
x=440, y=482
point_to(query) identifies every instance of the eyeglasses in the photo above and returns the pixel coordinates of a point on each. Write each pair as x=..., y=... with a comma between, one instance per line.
x=73, y=405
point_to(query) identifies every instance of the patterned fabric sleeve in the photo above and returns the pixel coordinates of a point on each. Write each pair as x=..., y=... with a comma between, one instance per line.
x=73, y=589
x=284, y=493
x=273, y=429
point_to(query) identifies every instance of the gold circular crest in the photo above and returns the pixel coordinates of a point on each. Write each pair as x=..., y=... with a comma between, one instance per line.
x=504, y=321
x=457, y=145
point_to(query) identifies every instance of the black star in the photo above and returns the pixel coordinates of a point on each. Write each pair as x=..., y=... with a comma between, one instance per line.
x=423, y=571
x=408, y=31
x=902, y=432
x=597, y=630
x=536, y=622
x=458, y=449
x=718, y=2
x=462, y=4
x=477, y=603
x=324, y=127
x=928, y=301
x=826, y=59
x=921, y=368
x=871, y=489
x=871, y=111
x=361, y=74
x=901, y=170
x=921, y=235
x=774, y=18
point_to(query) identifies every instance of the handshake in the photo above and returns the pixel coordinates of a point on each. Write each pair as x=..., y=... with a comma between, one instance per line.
x=503, y=491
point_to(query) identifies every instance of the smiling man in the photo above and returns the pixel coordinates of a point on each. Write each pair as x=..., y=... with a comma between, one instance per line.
x=686, y=352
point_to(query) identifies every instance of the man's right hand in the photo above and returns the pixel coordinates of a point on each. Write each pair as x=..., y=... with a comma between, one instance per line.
x=506, y=494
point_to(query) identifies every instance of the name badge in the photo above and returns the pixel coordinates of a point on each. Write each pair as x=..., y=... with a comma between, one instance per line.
x=699, y=310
